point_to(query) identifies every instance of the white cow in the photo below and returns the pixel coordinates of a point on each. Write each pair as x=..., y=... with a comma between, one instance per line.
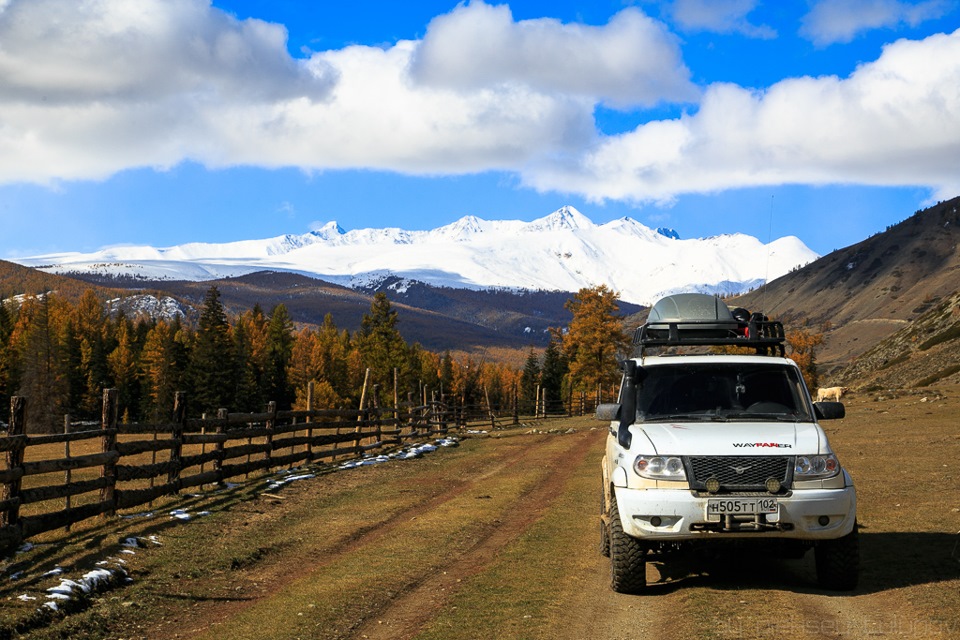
x=827, y=393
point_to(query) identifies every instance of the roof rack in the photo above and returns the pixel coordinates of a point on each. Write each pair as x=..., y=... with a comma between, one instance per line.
x=766, y=336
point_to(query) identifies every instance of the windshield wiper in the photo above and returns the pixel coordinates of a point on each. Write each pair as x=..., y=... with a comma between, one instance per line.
x=673, y=417
x=780, y=417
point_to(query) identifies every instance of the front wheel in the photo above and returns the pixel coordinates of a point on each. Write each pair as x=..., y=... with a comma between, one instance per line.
x=838, y=562
x=628, y=556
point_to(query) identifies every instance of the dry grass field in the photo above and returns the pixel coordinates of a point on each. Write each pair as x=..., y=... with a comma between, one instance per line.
x=498, y=538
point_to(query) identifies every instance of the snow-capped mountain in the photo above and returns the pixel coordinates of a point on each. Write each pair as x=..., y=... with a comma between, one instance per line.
x=563, y=251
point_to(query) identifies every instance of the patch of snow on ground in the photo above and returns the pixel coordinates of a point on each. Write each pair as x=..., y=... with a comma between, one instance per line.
x=91, y=582
x=100, y=579
x=407, y=453
x=289, y=476
x=143, y=514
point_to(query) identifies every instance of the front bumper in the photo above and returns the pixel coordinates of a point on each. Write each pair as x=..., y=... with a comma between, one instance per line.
x=680, y=514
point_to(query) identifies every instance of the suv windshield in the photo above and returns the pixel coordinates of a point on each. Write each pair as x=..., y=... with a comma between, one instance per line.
x=721, y=391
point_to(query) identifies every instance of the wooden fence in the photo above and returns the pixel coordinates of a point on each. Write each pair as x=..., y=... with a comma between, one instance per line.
x=121, y=466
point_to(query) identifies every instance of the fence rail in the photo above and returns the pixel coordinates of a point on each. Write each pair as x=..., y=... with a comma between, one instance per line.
x=122, y=466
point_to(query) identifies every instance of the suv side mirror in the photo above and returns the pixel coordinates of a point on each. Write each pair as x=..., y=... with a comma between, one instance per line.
x=829, y=410
x=608, y=412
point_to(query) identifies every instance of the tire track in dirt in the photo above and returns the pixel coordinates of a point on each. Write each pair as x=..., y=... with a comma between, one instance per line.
x=273, y=576
x=422, y=600
x=596, y=611
x=778, y=599
x=877, y=615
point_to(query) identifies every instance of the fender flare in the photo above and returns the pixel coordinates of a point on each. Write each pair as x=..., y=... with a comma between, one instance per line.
x=619, y=478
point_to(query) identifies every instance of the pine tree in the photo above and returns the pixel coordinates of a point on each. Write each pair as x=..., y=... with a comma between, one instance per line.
x=446, y=376
x=380, y=343
x=551, y=377
x=250, y=340
x=279, y=348
x=90, y=322
x=424, y=370
x=124, y=363
x=247, y=395
x=212, y=360
x=158, y=371
x=330, y=357
x=72, y=355
x=529, y=383
x=41, y=373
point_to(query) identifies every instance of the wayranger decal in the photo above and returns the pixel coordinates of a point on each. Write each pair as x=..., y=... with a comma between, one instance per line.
x=773, y=445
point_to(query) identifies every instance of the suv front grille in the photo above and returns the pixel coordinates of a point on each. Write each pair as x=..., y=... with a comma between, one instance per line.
x=739, y=473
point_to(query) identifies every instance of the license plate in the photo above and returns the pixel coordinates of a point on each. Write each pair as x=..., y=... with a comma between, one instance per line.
x=740, y=506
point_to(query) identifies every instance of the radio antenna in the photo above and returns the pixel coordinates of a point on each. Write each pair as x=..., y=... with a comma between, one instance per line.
x=766, y=274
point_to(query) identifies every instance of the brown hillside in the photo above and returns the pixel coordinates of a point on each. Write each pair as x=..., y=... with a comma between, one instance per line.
x=308, y=300
x=923, y=353
x=868, y=291
x=17, y=280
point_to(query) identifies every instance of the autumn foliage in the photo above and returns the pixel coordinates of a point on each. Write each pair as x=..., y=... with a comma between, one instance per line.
x=803, y=350
x=62, y=352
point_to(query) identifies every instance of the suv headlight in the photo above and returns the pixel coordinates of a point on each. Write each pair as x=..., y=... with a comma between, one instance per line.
x=660, y=467
x=816, y=467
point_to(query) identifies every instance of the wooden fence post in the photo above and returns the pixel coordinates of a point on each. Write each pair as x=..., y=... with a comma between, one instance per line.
x=66, y=454
x=411, y=423
x=17, y=427
x=176, y=448
x=310, y=421
x=108, y=423
x=203, y=443
x=363, y=401
x=271, y=424
x=375, y=401
x=396, y=397
x=218, y=461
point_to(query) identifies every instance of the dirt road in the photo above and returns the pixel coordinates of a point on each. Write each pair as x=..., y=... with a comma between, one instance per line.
x=498, y=538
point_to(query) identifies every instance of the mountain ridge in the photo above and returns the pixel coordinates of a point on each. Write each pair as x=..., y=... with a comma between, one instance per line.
x=887, y=306
x=863, y=294
x=563, y=251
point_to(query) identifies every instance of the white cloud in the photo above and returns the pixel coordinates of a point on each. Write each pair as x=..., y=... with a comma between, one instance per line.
x=832, y=21
x=378, y=118
x=633, y=60
x=64, y=52
x=90, y=89
x=893, y=122
x=720, y=16
x=94, y=88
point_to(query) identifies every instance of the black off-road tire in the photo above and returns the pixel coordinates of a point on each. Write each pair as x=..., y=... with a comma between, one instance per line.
x=628, y=556
x=838, y=562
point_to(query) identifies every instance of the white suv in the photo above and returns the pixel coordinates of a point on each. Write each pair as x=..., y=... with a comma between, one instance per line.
x=708, y=448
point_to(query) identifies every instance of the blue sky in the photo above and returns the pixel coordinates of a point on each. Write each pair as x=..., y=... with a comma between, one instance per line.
x=170, y=121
